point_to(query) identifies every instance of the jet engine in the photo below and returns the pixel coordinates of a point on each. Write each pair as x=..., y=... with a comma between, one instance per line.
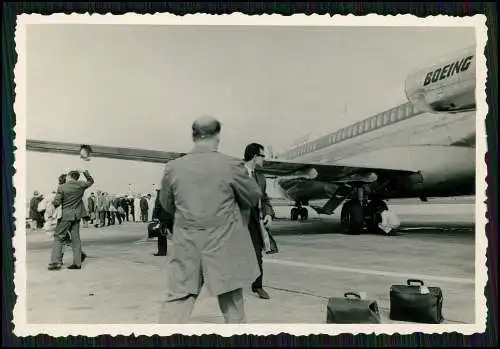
x=446, y=87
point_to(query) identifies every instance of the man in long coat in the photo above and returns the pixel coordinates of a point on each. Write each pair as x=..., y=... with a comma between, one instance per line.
x=209, y=194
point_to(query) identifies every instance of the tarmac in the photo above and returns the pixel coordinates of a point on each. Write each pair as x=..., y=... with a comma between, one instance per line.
x=122, y=282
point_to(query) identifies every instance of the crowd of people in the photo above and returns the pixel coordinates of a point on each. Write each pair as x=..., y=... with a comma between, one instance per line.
x=99, y=210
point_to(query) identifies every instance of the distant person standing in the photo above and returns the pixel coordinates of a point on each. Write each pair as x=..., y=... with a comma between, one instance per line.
x=209, y=195
x=126, y=207
x=100, y=209
x=107, y=206
x=131, y=209
x=91, y=204
x=137, y=208
x=113, y=209
x=151, y=205
x=35, y=215
x=69, y=196
x=144, y=209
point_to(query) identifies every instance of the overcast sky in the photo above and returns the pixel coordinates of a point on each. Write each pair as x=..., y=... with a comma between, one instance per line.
x=142, y=86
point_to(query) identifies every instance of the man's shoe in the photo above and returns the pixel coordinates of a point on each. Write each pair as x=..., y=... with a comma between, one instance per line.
x=75, y=267
x=261, y=293
x=84, y=256
x=54, y=267
x=392, y=233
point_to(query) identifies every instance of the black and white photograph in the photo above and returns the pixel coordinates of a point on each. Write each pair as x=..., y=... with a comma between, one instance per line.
x=250, y=174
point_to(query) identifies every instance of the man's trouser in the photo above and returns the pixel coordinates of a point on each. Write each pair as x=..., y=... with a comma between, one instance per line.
x=178, y=311
x=255, y=235
x=162, y=239
x=73, y=227
x=102, y=218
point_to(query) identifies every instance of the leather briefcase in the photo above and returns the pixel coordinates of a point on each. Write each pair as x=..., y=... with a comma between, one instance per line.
x=416, y=303
x=352, y=310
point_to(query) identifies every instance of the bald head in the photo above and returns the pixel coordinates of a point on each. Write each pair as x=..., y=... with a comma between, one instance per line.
x=205, y=127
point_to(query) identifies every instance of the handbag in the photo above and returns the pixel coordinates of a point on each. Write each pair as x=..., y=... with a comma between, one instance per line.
x=347, y=310
x=416, y=303
x=154, y=229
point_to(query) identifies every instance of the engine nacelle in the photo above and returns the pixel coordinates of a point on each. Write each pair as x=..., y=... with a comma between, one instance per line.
x=446, y=87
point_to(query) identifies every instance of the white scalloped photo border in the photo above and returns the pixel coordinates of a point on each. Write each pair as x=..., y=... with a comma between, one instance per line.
x=22, y=328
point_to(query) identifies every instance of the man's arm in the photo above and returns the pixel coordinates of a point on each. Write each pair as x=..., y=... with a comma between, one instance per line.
x=245, y=188
x=267, y=208
x=166, y=194
x=89, y=179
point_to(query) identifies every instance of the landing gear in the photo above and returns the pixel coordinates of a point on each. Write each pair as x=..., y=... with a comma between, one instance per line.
x=299, y=212
x=355, y=218
x=351, y=217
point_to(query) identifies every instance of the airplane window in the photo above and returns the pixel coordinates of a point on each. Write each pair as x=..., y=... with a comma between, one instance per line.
x=409, y=110
x=349, y=132
x=354, y=130
x=386, y=117
x=401, y=113
x=373, y=123
x=394, y=114
x=379, y=119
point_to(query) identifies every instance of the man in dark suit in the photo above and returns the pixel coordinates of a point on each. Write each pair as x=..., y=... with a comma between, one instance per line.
x=69, y=196
x=254, y=158
x=166, y=225
x=144, y=209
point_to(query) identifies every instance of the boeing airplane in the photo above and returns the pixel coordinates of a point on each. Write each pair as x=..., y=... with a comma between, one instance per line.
x=422, y=148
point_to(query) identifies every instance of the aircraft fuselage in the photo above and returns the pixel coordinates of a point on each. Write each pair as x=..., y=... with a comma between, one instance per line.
x=439, y=147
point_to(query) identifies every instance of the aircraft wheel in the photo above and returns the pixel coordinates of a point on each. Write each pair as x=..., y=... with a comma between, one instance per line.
x=351, y=217
x=294, y=214
x=304, y=213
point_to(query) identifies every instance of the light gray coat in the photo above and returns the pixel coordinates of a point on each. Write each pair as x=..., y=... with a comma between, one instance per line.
x=210, y=195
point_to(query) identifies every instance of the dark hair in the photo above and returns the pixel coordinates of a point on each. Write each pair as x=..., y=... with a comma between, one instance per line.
x=75, y=175
x=251, y=150
x=209, y=128
x=62, y=179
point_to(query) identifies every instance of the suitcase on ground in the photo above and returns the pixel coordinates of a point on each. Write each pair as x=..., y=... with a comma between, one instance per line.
x=416, y=303
x=354, y=310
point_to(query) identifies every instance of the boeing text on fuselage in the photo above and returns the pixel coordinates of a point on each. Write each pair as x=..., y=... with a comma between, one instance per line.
x=448, y=70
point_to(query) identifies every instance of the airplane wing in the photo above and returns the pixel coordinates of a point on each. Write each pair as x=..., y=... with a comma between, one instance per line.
x=133, y=154
x=328, y=172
